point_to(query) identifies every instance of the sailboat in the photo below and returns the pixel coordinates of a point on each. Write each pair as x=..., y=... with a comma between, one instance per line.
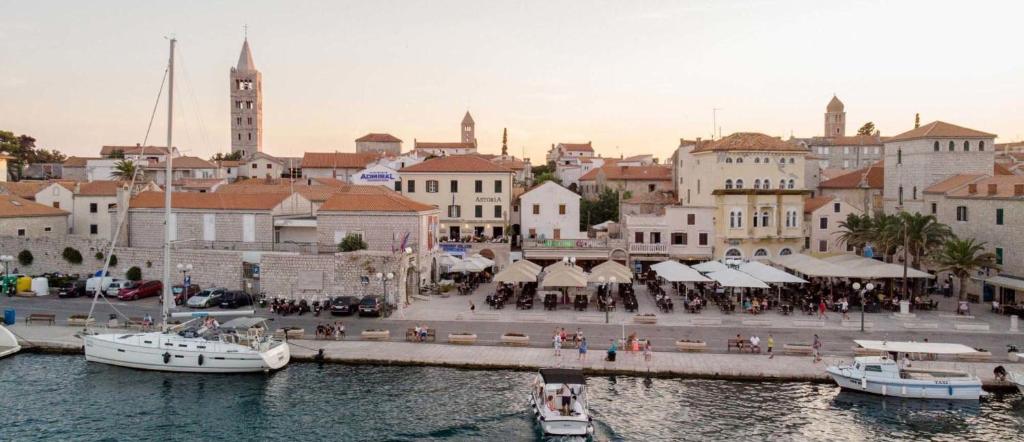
x=200, y=344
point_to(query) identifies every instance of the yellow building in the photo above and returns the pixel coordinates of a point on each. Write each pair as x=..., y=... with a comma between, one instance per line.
x=754, y=182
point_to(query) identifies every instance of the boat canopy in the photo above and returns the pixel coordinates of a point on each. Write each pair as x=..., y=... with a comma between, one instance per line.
x=562, y=376
x=243, y=323
x=916, y=347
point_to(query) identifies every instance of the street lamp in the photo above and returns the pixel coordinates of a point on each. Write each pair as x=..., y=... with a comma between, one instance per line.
x=185, y=280
x=867, y=288
x=611, y=281
x=384, y=278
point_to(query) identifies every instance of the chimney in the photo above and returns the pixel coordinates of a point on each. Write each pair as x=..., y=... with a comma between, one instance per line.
x=972, y=188
x=993, y=189
x=1018, y=190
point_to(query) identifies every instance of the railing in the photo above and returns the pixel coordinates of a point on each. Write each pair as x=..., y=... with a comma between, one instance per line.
x=661, y=249
x=586, y=243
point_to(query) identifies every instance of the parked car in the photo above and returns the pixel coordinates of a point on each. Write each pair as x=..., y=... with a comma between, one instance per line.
x=140, y=289
x=181, y=295
x=370, y=306
x=344, y=305
x=96, y=283
x=58, y=279
x=235, y=299
x=206, y=298
x=72, y=289
x=115, y=286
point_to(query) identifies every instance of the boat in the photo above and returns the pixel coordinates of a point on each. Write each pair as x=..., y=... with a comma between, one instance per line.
x=549, y=383
x=8, y=343
x=200, y=345
x=883, y=375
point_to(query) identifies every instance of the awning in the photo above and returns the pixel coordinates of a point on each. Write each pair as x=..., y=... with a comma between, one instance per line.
x=486, y=262
x=447, y=260
x=565, y=277
x=868, y=268
x=608, y=270
x=513, y=274
x=1006, y=282
x=735, y=278
x=709, y=266
x=916, y=347
x=769, y=274
x=675, y=271
x=467, y=265
x=811, y=266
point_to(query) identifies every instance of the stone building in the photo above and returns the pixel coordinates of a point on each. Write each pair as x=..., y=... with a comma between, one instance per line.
x=73, y=168
x=379, y=143
x=20, y=217
x=676, y=232
x=550, y=211
x=822, y=215
x=341, y=166
x=183, y=168
x=264, y=165
x=921, y=157
x=246, y=85
x=862, y=188
x=467, y=145
x=573, y=150
x=835, y=118
x=632, y=179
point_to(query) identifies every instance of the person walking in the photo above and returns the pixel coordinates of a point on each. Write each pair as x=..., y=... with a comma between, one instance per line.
x=583, y=349
x=816, y=348
x=558, y=343
x=821, y=309
x=771, y=345
x=845, y=306
x=648, y=351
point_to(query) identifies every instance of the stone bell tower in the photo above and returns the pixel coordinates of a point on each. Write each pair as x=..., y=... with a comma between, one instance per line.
x=246, y=105
x=468, y=129
x=835, y=118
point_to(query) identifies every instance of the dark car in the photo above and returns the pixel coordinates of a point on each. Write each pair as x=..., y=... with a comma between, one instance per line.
x=140, y=289
x=72, y=289
x=344, y=305
x=370, y=306
x=181, y=295
x=235, y=299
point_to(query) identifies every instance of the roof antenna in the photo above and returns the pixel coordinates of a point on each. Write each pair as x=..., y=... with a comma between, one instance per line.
x=245, y=32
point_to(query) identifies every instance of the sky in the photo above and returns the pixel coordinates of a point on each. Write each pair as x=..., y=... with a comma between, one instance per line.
x=632, y=77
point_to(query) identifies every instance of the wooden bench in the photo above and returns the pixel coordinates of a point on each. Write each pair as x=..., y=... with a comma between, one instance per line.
x=45, y=317
x=798, y=349
x=741, y=345
x=410, y=335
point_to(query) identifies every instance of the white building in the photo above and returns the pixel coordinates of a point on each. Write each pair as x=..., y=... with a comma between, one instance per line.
x=550, y=211
x=378, y=175
x=680, y=233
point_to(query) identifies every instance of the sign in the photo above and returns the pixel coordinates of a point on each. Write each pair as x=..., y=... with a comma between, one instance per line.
x=869, y=252
x=377, y=177
x=454, y=248
x=188, y=280
x=488, y=199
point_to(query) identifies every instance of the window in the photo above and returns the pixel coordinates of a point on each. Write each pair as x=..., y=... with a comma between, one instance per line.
x=410, y=186
x=254, y=165
x=93, y=208
x=533, y=233
x=655, y=237
x=250, y=121
x=876, y=368
x=961, y=213
x=757, y=183
x=913, y=193
x=21, y=232
x=739, y=183
x=782, y=184
x=823, y=245
x=398, y=186
x=478, y=211
x=999, y=217
x=536, y=209
x=981, y=146
x=764, y=218
x=846, y=150
x=846, y=164
x=792, y=160
x=679, y=238
x=935, y=146
x=94, y=229
x=785, y=251
x=497, y=186
x=432, y=186
x=478, y=186
x=835, y=207
x=250, y=139
x=967, y=146
x=766, y=161
x=766, y=184
x=702, y=239
x=728, y=184
x=935, y=208
x=638, y=237
x=56, y=204
x=951, y=147
x=238, y=121
x=791, y=184
x=900, y=195
x=497, y=211
x=691, y=219
x=561, y=209
x=733, y=253
x=454, y=186
x=650, y=187
x=761, y=253
x=753, y=219
x=757, y=160
x=728, y=160
x=269, y=166
x=999, y=256
x=557, y=234
x=454, y=211
x=899, y=156
x=739, y=161
x=736, y=219
x=823, y=223
x=47, y=229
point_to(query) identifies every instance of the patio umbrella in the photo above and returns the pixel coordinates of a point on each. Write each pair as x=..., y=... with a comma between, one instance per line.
x=447, y=261
x=709, y=266
x=674, y=271
x=769, y=274
x=527, y=267
x=736, y=278
x=515, y=274
x=467, y=265
x=610, y=269
x=564, y=278
x=482, y=260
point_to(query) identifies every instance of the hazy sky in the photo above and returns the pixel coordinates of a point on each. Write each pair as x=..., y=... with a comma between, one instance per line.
x=632, y=77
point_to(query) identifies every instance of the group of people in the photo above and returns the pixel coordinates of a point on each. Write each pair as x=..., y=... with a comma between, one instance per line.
x=420, y=332
x=567, y=395
x=562, y=338
x=334, y=331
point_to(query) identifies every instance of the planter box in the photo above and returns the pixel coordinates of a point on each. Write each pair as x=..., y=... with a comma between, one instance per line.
x=376, y=335
x=981, y=356
x=975, y=326
x=462, y=339
x=645, y=319
x=515, y=340
x=692, y=347
x=289, y=333
x=80, y=321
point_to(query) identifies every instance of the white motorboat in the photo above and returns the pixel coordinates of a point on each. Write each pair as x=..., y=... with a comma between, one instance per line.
x=546, y=402
x=883, y=375
x=8, y=343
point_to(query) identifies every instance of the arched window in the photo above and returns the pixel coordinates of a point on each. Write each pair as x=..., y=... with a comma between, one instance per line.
x=766, y=161
x=981, y=146
x=757, y=183
x=791, y=184
x=785, y=251
x=935, y=147
x=967, y=146
x=728, y=160
x=739, y=160
x=761, y=253
x=728, y=184
x=899, y=156
x=739, y=183
x=951, y=147
x=735, y=219
x=782, y=184
x=753, y=219
x=733, y=253
x=757, y=160
x=766, y=184
x=764, y=218
x=792, y=160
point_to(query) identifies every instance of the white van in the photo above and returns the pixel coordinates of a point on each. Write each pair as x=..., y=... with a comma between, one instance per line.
x=91, y=285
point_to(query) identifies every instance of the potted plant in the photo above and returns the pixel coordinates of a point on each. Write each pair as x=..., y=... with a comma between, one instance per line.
x=515, y=339
x=376, y=334
x=465, y=338
x=645, y=318
x=691, y=345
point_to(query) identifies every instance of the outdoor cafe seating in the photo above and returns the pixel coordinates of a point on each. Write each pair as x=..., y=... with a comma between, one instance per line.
x=550, y=301
x=580, y=302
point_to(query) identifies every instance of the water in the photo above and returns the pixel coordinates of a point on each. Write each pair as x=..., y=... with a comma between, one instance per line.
x=48, y=397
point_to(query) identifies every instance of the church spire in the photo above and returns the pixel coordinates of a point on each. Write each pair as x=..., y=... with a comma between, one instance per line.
x=245, y=62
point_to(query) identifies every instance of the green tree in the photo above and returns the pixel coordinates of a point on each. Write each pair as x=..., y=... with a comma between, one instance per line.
x=25, y=258
x=605, y=208
x=538, y=170
x=546, y=176
x=856, y=231
x=133, y=274
x=233, y=156
x=962, y=257
x=917, y=121
x=924, y=234
x=352, y=243
x=117, y=154
x=19, y=148
x=124, y=170
x=72, y=255
x=867, y=129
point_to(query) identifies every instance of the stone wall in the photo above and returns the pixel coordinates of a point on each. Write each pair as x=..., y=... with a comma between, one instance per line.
x=342, y=274
x=35, y=226
x=145, y=227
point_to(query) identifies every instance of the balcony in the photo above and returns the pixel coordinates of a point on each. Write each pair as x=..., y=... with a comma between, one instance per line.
x=585, y=243
x=648, y=249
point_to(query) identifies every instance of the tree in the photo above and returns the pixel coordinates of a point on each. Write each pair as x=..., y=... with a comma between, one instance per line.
x=917, y=121
x=504, y=142
x=924, y=234
x=856, y=231
x=133, y=274
x=538, y=170
x=962, y=257
x=867, y=129
x=124, y=170
x=352, y=243
x=233, y=156
x=72, y=255
x=546, y=176
x=18, y=147
x=25, y=258
x=117, y=154
x=605, y=208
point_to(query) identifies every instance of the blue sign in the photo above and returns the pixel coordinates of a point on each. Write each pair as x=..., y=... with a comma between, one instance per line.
x=457, y=248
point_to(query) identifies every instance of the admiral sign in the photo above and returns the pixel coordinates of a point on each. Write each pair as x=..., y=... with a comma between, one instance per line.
x=376, y=175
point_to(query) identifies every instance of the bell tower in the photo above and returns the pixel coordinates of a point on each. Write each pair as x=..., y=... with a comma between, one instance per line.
x=835, y=118
x=468, y=129
x=246, y=105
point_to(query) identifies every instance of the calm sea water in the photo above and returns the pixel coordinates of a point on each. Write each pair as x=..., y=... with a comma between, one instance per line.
x=44, y=397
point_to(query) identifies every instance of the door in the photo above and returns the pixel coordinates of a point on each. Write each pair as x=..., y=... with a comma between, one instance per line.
x=209, y=227
x=558, y=234
x=248, y=228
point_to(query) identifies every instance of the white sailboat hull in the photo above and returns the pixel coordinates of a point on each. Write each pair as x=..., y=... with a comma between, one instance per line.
x=8, y=343
x=170, y=352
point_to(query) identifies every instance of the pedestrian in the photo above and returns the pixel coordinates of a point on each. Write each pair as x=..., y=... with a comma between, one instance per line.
x=755, y=344
x=583, y=349
x=816, y=347
x=472, y=307
x=821, y=309
x=339, y=331
x=647, y=351
x=612, y=350
x=578, y=337
x=771, y=345
x=558, y=343
x=566, y=394
x=846, y=309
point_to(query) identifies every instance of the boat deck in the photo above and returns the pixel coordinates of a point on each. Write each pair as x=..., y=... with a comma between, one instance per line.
x=932, y=375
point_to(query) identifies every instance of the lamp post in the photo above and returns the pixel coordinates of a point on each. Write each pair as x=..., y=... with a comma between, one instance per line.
x=384, y=278
x=185, y=281
x=867, y=288
x=600, y=280
x=611, y=280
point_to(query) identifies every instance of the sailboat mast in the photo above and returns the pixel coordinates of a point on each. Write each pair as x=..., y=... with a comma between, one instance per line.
x=168, y=179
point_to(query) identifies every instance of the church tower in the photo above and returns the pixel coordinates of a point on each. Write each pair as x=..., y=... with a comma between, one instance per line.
x=835, y=118
x=468, y=129
x=246, y=105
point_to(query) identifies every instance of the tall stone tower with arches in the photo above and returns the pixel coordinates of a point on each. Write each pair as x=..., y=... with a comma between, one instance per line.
x=835, y=118
x=246, y=105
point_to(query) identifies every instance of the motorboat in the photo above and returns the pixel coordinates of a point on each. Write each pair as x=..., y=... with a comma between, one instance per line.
x=238, y=346
x=1016, y=377
x=884, y=375
x=8, y=343
x=546, y=402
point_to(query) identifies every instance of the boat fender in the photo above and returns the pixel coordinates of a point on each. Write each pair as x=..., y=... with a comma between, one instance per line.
x=167, y=357
x=950, y=390
x=863, y=382
x=200, y=359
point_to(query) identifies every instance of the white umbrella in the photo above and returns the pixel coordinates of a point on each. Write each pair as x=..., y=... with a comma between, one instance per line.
x=677, y=272
x=564, y=278
x=447, y=260
x=709, y=266
x=769, y=274
x=514, y=275
x=482, y=259
x=527, y=267
x=609, y=269
x=467, y=265
x=736, y=278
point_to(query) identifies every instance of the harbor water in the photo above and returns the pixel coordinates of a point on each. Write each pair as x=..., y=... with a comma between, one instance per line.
x=53, y=397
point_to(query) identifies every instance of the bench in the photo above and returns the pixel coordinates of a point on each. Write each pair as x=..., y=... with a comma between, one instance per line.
x=741, y=345
x=410, y=335
x=45, y=317
x=691, y=346
x=798, y=349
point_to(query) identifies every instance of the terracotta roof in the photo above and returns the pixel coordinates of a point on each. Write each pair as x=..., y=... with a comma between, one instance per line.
x=1004, y=185
x=579, y=147
x=874, y=174
x=77, y=161
x=381, y=202
x=999, y=169
x=99, y=188
x=812, y=204
x=199, y=183
x=662, y=197
x=952, y=182
x=855, y=140
x=185, y=163
x=133, y=150
x=209, y=201
x=1010, y=146
x=834, y=105
x=430, y=145
x=341, y=160
x=24, y=189
x=509, y=162
x=746, y=142
x=12, y=206
x=457, y=163
x=378, y=138
x=832, y=172
x=941, y=129
x=613, y=172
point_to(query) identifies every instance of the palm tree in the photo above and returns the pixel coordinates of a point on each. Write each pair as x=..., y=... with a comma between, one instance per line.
x=857, y=231
x=962, y=257
x=885, y=234
x=924, y=233
x=124, y=170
